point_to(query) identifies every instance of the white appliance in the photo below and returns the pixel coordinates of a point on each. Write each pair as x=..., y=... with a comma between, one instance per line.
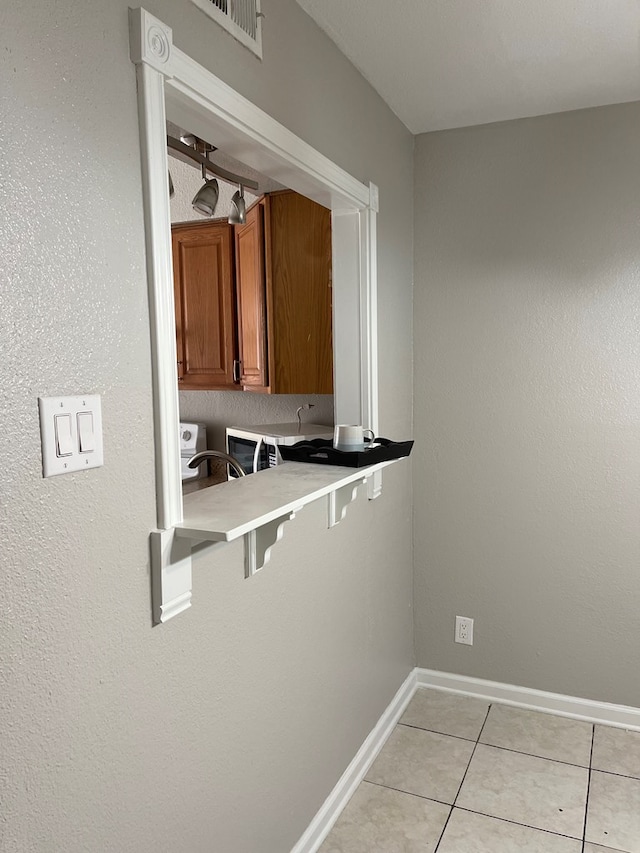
x=256, y=447
x=193, y=439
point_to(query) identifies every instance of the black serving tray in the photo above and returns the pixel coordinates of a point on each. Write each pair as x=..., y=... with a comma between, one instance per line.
x=322, y=452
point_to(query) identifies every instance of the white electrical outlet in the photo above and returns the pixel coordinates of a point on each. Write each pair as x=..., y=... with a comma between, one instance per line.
x=464, y=630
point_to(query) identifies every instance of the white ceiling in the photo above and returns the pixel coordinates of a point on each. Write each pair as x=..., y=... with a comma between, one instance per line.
x=452, y=63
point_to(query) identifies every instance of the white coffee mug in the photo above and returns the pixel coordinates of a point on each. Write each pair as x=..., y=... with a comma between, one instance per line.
x=350, y=437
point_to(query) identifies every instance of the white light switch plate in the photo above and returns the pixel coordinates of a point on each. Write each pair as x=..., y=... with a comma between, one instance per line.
x=63, y=422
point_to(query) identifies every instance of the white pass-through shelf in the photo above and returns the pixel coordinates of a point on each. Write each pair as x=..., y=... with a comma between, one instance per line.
x=229, y=510
x=255, y=508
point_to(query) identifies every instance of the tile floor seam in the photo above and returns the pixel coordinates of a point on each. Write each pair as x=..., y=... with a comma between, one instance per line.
x=408, y=793
x=453, y=805
x=436, y=732
x=518, y=823
x=586, y=803
x=613, y=773
x=535, y=755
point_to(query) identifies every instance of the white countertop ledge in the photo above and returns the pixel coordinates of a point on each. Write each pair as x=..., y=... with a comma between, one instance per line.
x=229, y=510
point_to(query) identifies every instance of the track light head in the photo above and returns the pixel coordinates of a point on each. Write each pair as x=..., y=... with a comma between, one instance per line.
x=206, y=199
x=238, y=215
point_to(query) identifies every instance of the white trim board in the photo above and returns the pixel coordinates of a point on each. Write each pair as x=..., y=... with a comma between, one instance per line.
x=605, y=713
x=332, y=807
x=619, y=716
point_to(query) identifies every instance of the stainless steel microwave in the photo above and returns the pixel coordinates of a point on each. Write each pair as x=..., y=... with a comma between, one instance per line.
x=256, y=447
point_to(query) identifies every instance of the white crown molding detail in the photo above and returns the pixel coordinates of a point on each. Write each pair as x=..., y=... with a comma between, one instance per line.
x=151, y=41
x=605, y=713
x=589, y=710
x=332, y=807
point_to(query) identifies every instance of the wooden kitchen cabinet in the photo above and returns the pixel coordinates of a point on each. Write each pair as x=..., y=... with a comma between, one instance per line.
x=251, y=300
x=284, y=252
x=204, y=302
x=259, y=293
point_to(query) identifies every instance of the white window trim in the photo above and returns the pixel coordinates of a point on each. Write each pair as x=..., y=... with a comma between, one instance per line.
x=170, y=81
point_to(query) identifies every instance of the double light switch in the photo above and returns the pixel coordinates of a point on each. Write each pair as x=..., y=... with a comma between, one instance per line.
x=71, y=430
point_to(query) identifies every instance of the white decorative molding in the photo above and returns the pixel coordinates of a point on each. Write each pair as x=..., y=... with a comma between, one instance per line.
x=206, y=105
x=329, y=812
x=259, y=542
x=170, y=575
x=339, y=500
x=150, y=40
x=374, y=198
x=620, y=716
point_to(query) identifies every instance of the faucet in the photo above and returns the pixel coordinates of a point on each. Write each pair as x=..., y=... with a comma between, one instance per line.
x=199, y=458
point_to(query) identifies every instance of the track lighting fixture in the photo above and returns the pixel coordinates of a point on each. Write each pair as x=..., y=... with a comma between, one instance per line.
x=206, y=199
x=238, y=215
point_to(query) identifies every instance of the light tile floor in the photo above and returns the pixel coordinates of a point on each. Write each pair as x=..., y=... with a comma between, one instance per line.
x=461, y=775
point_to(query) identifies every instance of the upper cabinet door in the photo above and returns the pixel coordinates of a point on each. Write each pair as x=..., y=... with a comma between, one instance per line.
x=250, y=286
x=203, y=288
x=299, y=295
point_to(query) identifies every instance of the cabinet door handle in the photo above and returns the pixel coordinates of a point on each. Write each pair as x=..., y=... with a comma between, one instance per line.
x=236, y=370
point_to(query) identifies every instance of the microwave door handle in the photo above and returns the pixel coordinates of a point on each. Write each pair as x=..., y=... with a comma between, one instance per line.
x=256, y=455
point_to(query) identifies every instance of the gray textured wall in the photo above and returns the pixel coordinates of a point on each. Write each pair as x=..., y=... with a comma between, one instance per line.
x=225, y=729
x=527, y=412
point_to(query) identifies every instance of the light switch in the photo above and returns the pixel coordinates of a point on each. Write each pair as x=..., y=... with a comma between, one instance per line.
x=64, y=437
x=71, y=432
x=86, y=437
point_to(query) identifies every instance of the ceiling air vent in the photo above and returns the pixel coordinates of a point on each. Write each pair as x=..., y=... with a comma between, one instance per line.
x=241, y=18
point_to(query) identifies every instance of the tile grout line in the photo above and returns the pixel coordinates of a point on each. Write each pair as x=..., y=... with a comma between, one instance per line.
x=508, y=749
x=453, y=804
x=408, y=793
x=476, y=812
x=586, y=805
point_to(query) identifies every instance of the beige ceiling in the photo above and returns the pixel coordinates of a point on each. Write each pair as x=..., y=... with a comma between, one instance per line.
x=452, y=63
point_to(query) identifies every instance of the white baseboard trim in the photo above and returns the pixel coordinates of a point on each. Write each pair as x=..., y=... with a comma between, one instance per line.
x=330, y=810
x=620, y=716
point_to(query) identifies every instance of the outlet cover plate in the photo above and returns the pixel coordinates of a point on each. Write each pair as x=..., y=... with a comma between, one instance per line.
x=464, y=630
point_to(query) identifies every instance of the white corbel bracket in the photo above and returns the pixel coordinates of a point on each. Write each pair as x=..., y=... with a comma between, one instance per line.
x=339, y=500
x=259, y=542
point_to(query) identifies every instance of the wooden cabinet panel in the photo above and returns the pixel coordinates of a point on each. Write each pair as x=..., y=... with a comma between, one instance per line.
x=250, y=288
x=203, y=290
x=263, y=295
x=299, y=295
